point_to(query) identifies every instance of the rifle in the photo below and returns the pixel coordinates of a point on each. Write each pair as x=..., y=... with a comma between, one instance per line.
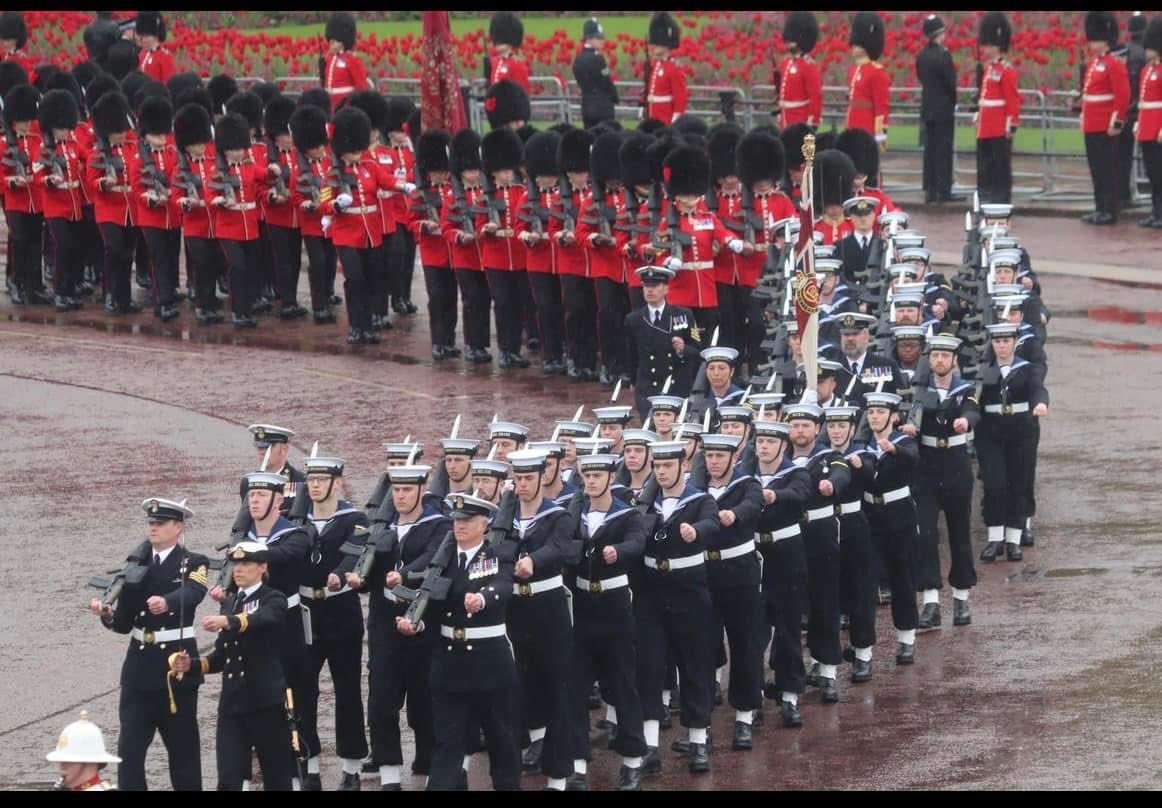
x=537, y=215
x=273, y=159
x=605, y=215
x=133, y=573
x=238, y=531
x=345, y=179
x=466, y=212
x=158, y=182
x=292, y=719
x=227, y=183
x=677, y=239
x=431, y=202
x=440, y=484
x=500, y=535
x=492, y=205
x=186, y=176
x=568, y=205
x=15, y=158
x=383, y=538
x=750, y=222
x=645, y=504
x=436, y=584
x=49, y=158
x=309, y=183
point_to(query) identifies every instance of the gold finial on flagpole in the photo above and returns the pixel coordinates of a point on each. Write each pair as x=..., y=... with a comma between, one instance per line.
x=809, y=149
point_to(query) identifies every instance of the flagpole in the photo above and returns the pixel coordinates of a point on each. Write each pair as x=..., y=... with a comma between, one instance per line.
x=809, y=335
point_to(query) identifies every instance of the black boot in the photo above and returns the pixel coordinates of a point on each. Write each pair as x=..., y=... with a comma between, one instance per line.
x=699, y=759
x=757, y=721
x=929, y=617
x=991, y=551
x=861, y=671
x=1026, y=538
x=1013, y=551
x=813, y=676
x=350, y=782
x=961, y=615
x=717, y=694
x=531, y=760
x=242, y=321
x=829, y=691
x=629, y=779
x=652, y=762
x=312, y=783
x=791, y=716
x=743, y=737
x=905, y=653
x=576, y=782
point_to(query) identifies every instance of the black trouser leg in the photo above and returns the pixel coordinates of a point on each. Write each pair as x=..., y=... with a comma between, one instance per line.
x=528, y=308
x=785, y=587
x=409, y=264
x=990, y=454
x=203, y=262
x=637, y=298
x=271, y=738
x=737, y=609
x=938, y=153
x=380, y=282
x=385, y=688
x=706, y=319
x=546, y=289
x=474, y=300
x=94, y=258
x=240, y=258
x=957, y=507
x=66, y=247
x=580, y=319
x=730, y=325
x=612, y=307
x=140, y=254
x=307, y=691
x=26, y=245
x=356, y=264
x=118, y=258
x=179, y=733
x=995, y=169
x=441, y=285
x=163, y=247
x=136, y=734
x=859, y=579
x=1125, y=150
x=344, y=639
x=232, y=747
x=504, y=286
x=1019, y=459
x=450, y=714
x=286, y=244
x=823, y=569
x=542, y=647
x=650, y=644
x=320, y=259
x=1152, y=160
x=756, y=332
x=900, y=548
x=1099, y=152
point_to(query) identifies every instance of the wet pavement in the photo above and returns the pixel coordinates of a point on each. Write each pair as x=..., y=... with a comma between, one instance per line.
x=1053, y=686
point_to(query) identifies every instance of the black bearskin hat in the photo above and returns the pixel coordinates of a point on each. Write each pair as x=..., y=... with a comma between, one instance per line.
x=1153, y=36
x=793, y=137
x=664, y=142
x=111, y=114
x=374, y=104
x=506, y=102
x=341, y=27
x=249, y=106
x=44, y=73
x=833, y=178
x=501, y=149
x=686, y=171
x=276, y=117
x=603, y=162
x=195, y=95
x=221, y=88
x=231, y=133
x=525, y=132
x=606, y=126
x=995, y=30
x=432, y=151
x=104, y=83
x=308, y=126
x=58, y=110
x=191, y=125
x=861, y=147
x=67, y=82
x=573, y=151
x=20, y=104
x=265, y=90
x=464, y=151
x=541, y=154
x=506, y=29
x=664, y=30
x=86, y=72
x=180, y=81
x=121, y=60
x=317, y=97
x=352, y=131
x=826, y=140
x=1101, y=25
x=688, y=124
x=650, y=126
x=399, y=110
x=11, y=74
x=12, y=27
x=759, y=156
x=99, y=38
x=633, y=159
x=155, y=116
x=867, y=31
x=150, y=23
x=721, y=145
x=802, y=28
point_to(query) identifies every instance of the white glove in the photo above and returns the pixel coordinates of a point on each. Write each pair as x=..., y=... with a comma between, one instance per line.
x=673, y=263
x=326, y=222
x=409, y=187
x=735, y=246
x=343, y=201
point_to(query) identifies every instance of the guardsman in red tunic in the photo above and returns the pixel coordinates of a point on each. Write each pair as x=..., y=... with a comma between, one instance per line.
x=155, y=60
x=108, y=175
x=507, y=34
x=283, y=217
x=540, y=155
x=402, y=250
x=798, y=80
x=309, y=189
x=573, y=260
x=1105, y=103
x=792, y=139
x=499, y=232
x=1149, y=126
x=343, y=71
x=666, y=93
x=23, y=197
x=356, y=228
x=159, y=216
x=1000, y=111
x=832, y=182
x=869, y=82
x=860, y=146
x=194, y=138
x=728, y=267
x=13, y=38
x=457, y=221
x=633, y=158
x=59, y=174
x=433, y=194
x=697, y=236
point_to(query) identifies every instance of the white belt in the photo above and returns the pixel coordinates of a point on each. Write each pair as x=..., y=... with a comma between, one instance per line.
x=659, y=99
x=481, y=633
x=67, y=185
x=731, y=552
x=944, y=443
x=364, y=209
x=147, y=637
x=382, y=194
x=335, y=90
x=777, y=535
x=1007, y=409
x=850, y=507
x=889, y=496
x=820, y=513
x=537, y=587
x=1150, y=105
x=293, y=601
x=794, y=104
x=597, y=587
x=992, y=102
x=321, y=593
x=668, y=564
x=244, y=206
x=1097, y=99
x=697, y=265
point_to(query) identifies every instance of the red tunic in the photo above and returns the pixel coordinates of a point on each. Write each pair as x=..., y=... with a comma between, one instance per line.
x=1150, y=103
x=196, y=221
x=607, y=261
x=543, y=257
x=434, y=250
x=23, y=198
x=869, y=85
x=311, y=221
x=389, y=217
x=114, y=205
x=464, y=256
x=284, y=214
x=667, y=96
x=345, y=76
x=573, y=258
x=1106, y=94
x=504, y=252
x=833, y=233
x=1000, y=101
x=359, y=224
x=167, y=216
x=158, y=63
x=800, y=92
x=64, y=200
x=884, y=203
x=240, y=224
x=694, y=286
x=511, y=69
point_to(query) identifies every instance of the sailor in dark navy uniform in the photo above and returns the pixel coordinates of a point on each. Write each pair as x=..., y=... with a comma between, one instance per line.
x=473, y=672
x=947, y=411
x=663, y=341
x=734, y=573
x=612, y=421
x=567, y=432
x=634, y=469
x=612, y=541
x=553, y=487
x=277, y=439
x=836, y=298
x=399, y=666
x=166, y=586
x=664, y=411
x=864, y=370
x=786, y=488
x=458, y=454
x=675, y=599
x=892, y=514
x=539, y=621
x=506, y=437
x=248, y=652
x=336, y=619
x=1012, y=395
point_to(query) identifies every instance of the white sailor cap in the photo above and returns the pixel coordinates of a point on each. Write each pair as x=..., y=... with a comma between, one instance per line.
x=1002, y=330
x=527, y=460
x=489, y=468
x=792, y=222
x=592, y=445
x=574, y=429
x=900, y=217
x=885, y=399
x=403, y=451
x=843, y=414
x=689, y=429
x=409, y=475
x=768, y=400
x=325, y=465
x=460, y=446
x=619, y=414
x=922, y=254
x=1008, y=242
x=910, y=297
x=666, y=403
x=266, y=434
x=905, y=332
x=1005, y=258
x=828, y=265
x=907, y=239
x=554, y=449
x=1000, y=289
x=163, y=510
x=996, y=210
x=508, y=429
x=265, y=481
x=720, y=353
x=720, y=443
x=668, y=449
x=902, y=269
x=597, y=462
x=639, y=437
x=824, y=251
x=803, y=412
x=828, y=367
x=772, y=429
x=944, y=342
x=733, y=412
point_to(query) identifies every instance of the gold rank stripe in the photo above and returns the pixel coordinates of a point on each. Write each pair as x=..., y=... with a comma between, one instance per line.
x=198, y=576
x=243, y=623
x=325, y=193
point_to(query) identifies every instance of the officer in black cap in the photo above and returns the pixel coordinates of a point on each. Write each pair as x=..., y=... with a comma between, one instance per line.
x=1134, y=56
x=249, y=653
x=277, y=439
x=663, y=341
x=598, y=93
x=165, y=586
x=473, y=672
x=937, y=76
x=864, y=370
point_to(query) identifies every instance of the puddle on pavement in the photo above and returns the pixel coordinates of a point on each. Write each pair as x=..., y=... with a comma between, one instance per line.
x=1075, y=572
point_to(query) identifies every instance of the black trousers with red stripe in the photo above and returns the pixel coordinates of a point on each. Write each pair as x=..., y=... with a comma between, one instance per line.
x=441, y=285
x=321, y=261
x=475, y=296
x=119, y=243
x=505, y=287
x=286, y=244
x=164, y=247
x=67, y=255
x=546, y=289
x=358, y=265
x=242, y=264
x=204, y=263
x=580, y=316
x=25, y=250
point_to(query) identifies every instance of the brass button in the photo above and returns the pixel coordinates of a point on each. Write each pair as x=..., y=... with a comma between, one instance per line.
x=459, y=634
x=595, y=587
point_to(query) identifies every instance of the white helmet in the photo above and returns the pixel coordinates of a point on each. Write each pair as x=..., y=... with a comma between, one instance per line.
x=81, y=742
